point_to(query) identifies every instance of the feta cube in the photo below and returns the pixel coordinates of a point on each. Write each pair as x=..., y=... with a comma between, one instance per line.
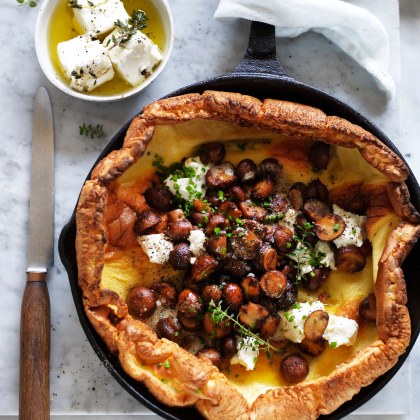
x=354, y=233
x=323, y=247
x=156, y=246
x=192, y=187
x=97, y=17
x=293, y=321
x=341, y=331
x=197, y=239
x=135, y=59
x=85, y=63
x=289, y=219
x=247, y=354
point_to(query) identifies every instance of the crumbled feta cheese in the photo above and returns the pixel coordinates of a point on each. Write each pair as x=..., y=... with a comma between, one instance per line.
x=193, y=187
x=98, y=16
x=85, y=63
x=354, y=232
x=247, y=354
x=328, y=260
x=292, y=322
x=289, y=219
x=156, y=247
x=135, y=59
x=197, y=239
x=341, y=331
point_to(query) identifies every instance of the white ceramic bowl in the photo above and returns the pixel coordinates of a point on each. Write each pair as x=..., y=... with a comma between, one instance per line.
x=45, y=61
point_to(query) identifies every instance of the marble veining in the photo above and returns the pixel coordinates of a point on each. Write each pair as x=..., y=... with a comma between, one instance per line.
x=203, y=48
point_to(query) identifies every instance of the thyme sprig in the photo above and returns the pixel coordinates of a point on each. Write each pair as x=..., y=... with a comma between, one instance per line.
x=218, y=314
x=137, y=22
x=305, y=252
x=30, y=3
x=92, y=131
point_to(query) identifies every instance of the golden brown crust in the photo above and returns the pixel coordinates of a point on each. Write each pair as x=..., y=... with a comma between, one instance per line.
x=393, y=320
x=193, y=382
x=400, y=199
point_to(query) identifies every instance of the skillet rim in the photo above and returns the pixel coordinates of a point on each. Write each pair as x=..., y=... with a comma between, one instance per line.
x=258, y=69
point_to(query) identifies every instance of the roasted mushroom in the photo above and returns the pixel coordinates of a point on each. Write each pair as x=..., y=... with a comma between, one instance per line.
x=251, y=211
x=212, y=355
x=169, y=328
x=190, y=304
x=141, y=302
x=294, y=368
x=246, y=171
x=316, y=189
x=297, y=194
x=315, y=325
x=316, y=209
x=251, y=286
x=329, y=227
x=146, y=220
x=319, y=155
x=269, y=326
x=313, y=348
x=180, y=256
x=273, y=283
x=350, y=259
x=228, y=347
x=233, y=296
x=180, y=230
x=283, y=240
x=212, y=152
x=266, y=259
x=245, y=244
x=217, y=245
x=236, y=267
x=216, y=329
x=165, y=293
x=211, y=292
x=315, y=278
x=220, y=176
x=253, y=315
x=270, y=168
x=262, y=189
x=159, y=198
x=203, y=267
x=215, y=221
x=190, y=324
x=279, y=203
x=230, y=210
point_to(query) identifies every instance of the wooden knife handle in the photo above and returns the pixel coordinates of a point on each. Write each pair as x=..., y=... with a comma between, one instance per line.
x=34, y=389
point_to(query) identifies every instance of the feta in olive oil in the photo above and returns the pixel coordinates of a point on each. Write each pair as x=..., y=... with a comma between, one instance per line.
x=62, y=28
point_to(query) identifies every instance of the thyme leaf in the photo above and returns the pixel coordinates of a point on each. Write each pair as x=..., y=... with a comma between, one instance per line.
x=30, y=3
x=91, y=131
x=127, y=29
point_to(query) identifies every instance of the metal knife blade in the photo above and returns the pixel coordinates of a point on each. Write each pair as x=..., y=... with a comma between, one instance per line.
x=41, y=204
x=35, y=321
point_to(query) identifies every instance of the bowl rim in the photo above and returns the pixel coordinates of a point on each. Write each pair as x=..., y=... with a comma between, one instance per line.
x=45, y=62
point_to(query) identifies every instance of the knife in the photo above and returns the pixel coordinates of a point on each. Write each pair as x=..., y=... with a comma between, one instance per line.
x=34, y=387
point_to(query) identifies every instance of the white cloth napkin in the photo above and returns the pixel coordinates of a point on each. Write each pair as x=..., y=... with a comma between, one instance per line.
x=355, y=30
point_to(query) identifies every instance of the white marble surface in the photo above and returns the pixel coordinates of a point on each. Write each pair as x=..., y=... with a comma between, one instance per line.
x=203, y=48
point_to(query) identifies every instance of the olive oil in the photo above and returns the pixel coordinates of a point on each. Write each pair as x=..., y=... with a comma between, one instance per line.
x=62, y=28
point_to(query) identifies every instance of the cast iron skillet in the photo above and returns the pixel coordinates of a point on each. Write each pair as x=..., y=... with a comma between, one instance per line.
x=259, y=74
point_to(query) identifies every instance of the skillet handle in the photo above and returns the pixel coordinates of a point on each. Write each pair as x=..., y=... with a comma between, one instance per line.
x=261, y=56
